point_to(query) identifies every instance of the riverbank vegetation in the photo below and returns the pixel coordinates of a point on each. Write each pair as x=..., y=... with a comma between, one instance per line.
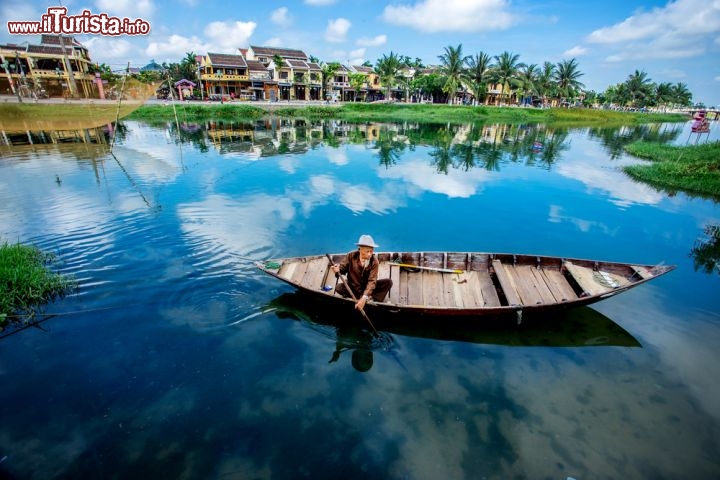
x=359, y=112
x=27, y=282
x=694, y=169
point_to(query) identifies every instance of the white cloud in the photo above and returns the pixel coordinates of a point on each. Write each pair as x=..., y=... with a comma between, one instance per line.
x=681, y=29
x=673, y=73
x=230, y=35
x=175, y=47
x=357, y=56
x=337, y=156
x=683, y=17
x=112, y=47
x=337, y=30
x=319, y=3
x=273, y=42
x=281, y=16
x=454, y=184
x=576, y=51
x=372, y=42
x=451, y=15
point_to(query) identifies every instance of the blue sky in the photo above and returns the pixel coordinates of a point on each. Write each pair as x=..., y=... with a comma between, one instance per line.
x=675, y=41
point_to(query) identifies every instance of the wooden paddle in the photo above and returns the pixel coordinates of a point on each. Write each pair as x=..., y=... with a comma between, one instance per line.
x=432, y=269
x=347, y=287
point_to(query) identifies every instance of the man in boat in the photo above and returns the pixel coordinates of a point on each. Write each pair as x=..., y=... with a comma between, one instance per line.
x=361, y=267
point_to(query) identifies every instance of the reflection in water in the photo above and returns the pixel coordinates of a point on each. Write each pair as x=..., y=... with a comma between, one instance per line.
x=706, y=251
x=452, y=146
x=580, y=327
x=170, y=364
x=615, y=139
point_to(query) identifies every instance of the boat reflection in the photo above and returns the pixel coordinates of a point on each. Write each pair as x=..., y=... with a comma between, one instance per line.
x=579, y=327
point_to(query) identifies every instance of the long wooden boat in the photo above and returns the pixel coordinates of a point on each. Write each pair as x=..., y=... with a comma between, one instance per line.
x=461, y=283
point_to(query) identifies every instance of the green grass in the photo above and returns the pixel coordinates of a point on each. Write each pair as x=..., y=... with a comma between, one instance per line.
x=693, y=169
x=403, y=112
x=198, y=112
x=27, y=283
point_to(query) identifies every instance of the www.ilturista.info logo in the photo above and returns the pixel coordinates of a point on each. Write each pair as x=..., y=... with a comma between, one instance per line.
x=57, y=21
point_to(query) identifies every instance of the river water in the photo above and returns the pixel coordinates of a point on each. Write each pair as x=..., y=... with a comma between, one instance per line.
x=177, y=358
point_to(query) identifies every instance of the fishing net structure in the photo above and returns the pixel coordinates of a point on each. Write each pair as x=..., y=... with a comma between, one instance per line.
x=40, y=114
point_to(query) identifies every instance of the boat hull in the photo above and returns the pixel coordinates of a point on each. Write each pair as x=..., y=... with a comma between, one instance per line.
x=470, y=284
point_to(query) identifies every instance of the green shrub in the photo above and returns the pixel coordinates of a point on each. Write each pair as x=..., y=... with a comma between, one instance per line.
x=26, y=282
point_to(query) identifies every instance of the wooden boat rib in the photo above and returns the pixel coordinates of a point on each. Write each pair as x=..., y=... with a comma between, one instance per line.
x=457, y=283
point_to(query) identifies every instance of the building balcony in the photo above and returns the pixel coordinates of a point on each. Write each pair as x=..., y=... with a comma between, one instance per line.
x=340, y=84
x=211, y=77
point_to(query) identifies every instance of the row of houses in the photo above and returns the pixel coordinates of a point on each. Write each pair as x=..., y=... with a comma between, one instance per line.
x=279, y=74
x=61, y=66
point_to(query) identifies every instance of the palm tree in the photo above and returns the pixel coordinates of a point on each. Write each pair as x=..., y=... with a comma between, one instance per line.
x=388, y=69
x=477, y=75
x=681, y=94
x=527, y=78
x=505, y=71
x=453, y=68
x=639, y=87
x=187, y=68
x=664, y=94
x=566, y=77
x=544, y=82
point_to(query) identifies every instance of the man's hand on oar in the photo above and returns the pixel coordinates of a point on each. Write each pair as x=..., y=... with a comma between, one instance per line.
x=358, y=306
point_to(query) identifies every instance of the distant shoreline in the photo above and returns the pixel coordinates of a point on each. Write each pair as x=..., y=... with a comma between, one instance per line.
x=59, y=114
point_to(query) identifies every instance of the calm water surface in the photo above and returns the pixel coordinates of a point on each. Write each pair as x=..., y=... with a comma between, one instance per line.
x=178, y=359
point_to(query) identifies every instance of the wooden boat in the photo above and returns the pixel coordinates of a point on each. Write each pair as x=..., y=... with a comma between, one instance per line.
x=459, y=283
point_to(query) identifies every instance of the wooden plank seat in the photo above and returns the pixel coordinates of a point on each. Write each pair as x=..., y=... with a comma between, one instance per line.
x=507, y=283
x=561, y=290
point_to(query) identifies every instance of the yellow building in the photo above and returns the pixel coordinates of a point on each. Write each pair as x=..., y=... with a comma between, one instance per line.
x=59, y=66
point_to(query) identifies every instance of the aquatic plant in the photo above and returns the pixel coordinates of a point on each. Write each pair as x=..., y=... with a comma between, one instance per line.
x=27, y=283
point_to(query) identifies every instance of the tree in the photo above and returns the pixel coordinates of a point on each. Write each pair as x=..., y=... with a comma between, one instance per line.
x=527, y=79
x=477, y=75
x=544, y=83
x=187, y=68
x=357, y=80
x=388, y=68
x=681, y=95
x=453, y=68
x=664, y=94
x=430, y=85
x=328, y=72
x=566, y=77
x=639, y=88
x=505, y=71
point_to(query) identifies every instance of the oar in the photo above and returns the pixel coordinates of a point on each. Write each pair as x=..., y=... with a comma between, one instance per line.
x=433, y=269
x=347, y=287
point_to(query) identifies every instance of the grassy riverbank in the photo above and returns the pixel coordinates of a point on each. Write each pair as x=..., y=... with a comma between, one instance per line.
x=693, y=169
x=27, y=283
x=402, y=112
x=77, y=115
